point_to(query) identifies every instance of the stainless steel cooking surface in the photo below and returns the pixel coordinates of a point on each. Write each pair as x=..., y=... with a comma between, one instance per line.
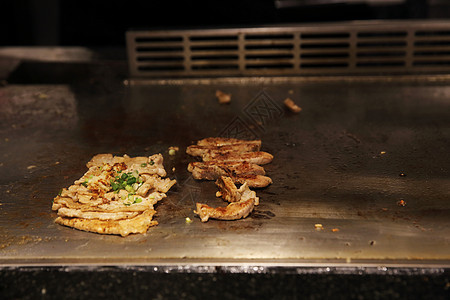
x=358, y=148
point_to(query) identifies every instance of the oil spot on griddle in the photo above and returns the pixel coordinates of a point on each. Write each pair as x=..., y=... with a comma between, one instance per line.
x=263, y=214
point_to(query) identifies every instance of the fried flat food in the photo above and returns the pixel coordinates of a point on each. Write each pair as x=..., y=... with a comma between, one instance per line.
x=117, y=193
x=124, y=227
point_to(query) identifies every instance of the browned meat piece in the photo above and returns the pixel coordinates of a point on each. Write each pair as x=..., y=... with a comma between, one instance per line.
x=219, y=141
x=227, y=189
x=211, y=170
x=234, y=210
x=196, y=150
x=229, y=192
x=240, y=172
x=223, y=97
x=255, y=181
x=290, y=104
x=242, y=201
x=257, y=157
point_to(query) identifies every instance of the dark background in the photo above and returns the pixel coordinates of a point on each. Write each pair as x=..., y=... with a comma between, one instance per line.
x=103, y=23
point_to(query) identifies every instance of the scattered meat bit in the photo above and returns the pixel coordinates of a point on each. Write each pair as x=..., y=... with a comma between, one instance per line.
x=224, y=98
x=401, y=203
x=318, y=227
x=372, y=243
x=402, y=174
x=335, y=230
x=290, y=104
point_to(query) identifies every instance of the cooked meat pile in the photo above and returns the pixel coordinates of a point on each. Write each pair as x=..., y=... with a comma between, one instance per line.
x=230, y=162
x=115, y=196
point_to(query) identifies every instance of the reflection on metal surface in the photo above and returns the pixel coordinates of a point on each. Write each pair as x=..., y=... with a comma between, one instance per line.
x=48, y=54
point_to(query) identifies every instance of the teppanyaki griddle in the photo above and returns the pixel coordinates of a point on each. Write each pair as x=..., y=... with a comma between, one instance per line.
x=359, y=146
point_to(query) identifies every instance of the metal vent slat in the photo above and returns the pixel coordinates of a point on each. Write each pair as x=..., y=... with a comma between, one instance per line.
x=339, y=48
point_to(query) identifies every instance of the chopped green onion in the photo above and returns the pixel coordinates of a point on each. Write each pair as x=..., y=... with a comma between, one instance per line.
x=115, y=186
x=151, y=163
x=137, y=200
x=131, y=180
x=129, y=189
x=143, y=165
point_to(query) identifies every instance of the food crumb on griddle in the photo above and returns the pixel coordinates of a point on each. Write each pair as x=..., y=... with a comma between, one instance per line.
x=335, y=230
x=401, y=203
x=318, y=227
x=223, y=98
x=290, y=104
x=173, y=150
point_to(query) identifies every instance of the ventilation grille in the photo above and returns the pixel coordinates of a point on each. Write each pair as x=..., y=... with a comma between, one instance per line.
x=356, y=48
